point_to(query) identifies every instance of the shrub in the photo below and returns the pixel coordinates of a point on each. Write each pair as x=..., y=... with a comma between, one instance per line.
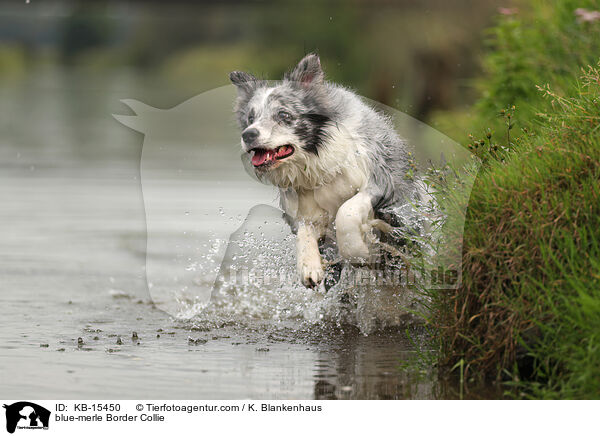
x=530, y=298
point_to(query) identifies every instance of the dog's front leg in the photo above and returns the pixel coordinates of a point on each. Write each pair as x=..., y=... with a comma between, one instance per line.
x=312, y=223
x=352, y=226
x=310, y=267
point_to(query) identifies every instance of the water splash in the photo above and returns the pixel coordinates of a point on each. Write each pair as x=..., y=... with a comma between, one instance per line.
x=257, y=282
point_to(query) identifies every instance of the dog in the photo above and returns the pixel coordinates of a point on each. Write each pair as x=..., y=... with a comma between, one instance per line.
x=338, y=163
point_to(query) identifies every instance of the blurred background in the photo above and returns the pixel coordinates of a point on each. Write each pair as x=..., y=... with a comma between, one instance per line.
x=64, y=65
x=417, y=56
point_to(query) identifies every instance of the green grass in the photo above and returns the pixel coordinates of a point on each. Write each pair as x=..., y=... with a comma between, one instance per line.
x=528, y=309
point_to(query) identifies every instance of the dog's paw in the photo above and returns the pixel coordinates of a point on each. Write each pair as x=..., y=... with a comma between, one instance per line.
x=311, y=273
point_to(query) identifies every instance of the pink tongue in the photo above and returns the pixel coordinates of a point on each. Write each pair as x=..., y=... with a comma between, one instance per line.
x=259, y=158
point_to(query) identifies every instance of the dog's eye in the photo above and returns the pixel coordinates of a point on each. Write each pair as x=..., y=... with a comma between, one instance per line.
x=250, y=119
x=284, y=116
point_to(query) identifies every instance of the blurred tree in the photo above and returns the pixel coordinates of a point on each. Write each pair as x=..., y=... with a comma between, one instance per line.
x=85, y=28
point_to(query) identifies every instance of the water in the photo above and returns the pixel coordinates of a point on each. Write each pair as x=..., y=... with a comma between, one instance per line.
x=73, y=277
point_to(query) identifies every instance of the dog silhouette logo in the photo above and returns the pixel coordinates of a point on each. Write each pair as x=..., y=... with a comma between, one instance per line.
x=26, y=415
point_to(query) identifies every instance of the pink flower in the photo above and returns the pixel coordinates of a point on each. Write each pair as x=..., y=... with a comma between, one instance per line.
x=585, y=16
x=508, y=11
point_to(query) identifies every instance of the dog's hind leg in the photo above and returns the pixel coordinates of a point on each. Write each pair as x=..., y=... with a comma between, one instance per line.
x=352, y=228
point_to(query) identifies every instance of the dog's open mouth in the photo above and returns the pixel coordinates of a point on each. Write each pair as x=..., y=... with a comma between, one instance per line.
x=263, y=157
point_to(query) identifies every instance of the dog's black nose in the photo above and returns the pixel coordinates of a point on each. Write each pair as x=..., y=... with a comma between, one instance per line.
x=249, y=135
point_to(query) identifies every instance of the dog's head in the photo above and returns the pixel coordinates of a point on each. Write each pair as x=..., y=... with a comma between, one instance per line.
x=284, y=124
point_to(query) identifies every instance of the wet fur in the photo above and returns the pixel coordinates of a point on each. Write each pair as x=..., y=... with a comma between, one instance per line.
x=348, y=168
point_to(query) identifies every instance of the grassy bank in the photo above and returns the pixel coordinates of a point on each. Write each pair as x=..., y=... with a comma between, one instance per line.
x=528, y=309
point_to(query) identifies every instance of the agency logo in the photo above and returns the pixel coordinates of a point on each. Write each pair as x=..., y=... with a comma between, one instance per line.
x=26, y=415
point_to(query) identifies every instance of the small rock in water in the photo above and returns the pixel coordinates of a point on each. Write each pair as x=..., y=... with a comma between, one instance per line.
x=79, y=341
x=117, y=293
x=44, y=345
x=60, y=349
x=96, y=338
x=198, y=341
x=119, y=341
x=134, y=336
x=158, y=336
x=263, y=350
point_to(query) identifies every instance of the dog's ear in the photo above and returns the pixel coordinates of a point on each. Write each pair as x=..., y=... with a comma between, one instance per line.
x=246, y=83
x=308, y=71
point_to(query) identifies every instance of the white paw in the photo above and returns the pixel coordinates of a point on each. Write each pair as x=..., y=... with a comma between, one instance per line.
x=311, y=272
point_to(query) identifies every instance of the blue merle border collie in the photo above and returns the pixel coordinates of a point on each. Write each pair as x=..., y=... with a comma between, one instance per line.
x=338, y=163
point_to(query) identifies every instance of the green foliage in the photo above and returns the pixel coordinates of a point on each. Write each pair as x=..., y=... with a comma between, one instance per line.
x=12, y=61
x=540, y=42
x=529, y=302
